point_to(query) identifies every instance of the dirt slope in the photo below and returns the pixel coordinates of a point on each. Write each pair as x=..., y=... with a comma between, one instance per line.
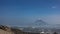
x=5, y=32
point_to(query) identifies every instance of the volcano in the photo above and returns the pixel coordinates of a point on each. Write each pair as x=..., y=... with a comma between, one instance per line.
x=39, y=23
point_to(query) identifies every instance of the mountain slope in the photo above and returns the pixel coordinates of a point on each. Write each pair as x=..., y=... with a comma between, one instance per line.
x=39, y=23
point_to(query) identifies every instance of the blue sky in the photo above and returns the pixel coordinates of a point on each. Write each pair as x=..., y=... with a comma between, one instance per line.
x=27, y=11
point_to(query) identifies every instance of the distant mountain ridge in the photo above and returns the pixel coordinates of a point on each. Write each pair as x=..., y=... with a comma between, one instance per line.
x=39, y=23
x=42, y=23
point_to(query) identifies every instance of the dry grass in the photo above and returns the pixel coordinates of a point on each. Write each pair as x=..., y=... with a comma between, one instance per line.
x=5, y=32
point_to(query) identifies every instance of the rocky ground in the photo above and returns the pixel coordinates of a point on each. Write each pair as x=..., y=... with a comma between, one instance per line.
x=5, y=32
x=9, y=30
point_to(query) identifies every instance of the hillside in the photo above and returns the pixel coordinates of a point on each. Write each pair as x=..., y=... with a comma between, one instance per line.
x=5, y=32
x=10, y=30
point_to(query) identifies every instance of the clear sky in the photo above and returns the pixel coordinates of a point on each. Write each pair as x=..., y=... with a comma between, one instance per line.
x=21, y=12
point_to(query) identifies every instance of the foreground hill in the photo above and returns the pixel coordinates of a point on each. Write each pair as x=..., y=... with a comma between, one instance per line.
x=5, y=32
x=9, y=30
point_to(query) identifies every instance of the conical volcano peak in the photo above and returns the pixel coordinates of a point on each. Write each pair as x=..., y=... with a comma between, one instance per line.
x=40, y=22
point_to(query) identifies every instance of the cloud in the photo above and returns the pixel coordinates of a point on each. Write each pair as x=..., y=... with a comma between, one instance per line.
x=53, y=7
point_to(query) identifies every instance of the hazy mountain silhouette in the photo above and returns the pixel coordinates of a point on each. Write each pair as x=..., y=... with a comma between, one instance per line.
x=39, y=23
